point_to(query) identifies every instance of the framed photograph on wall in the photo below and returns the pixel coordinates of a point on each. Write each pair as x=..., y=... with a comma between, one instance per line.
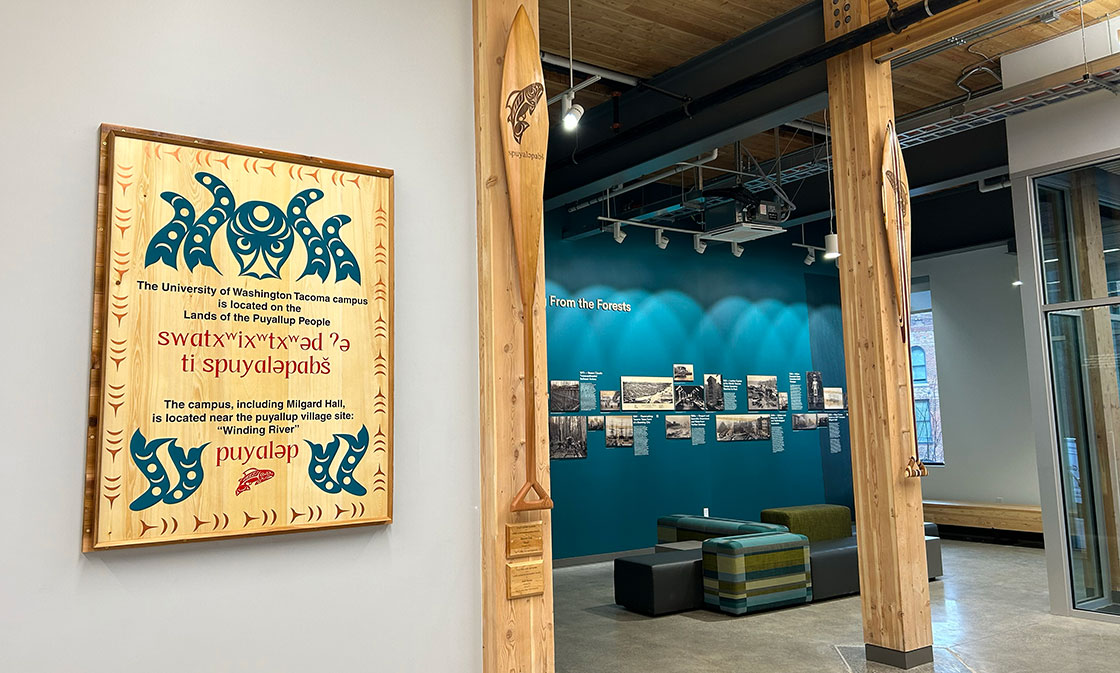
x=742, y=427
x=834, y=399
x=713, y=392
x=688, y=398
x=682, y=373
x=619, y=431
x=567, y=437
x=610, y=400
x=678, y=427
x=647, y=393
x=563, y=396
x=814, y=391
x=762, y=393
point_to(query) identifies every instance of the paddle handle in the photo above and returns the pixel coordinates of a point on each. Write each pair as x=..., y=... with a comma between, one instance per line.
x=521, y=502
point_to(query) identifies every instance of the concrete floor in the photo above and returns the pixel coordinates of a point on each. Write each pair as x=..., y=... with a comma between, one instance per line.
x=990, y=615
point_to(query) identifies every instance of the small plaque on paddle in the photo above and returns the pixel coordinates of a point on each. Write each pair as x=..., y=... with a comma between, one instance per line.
x=524, y=539
x=524, y=579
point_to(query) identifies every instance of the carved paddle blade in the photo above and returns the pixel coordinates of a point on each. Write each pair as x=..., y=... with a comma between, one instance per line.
x=525, y=146
x=896, y=206
x=524, y=121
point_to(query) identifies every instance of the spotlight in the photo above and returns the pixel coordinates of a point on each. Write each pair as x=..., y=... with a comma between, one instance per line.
x=698, y=245
x=571, y=112
x=831, y=246
x=619, y=234
x=1016, y=283
x=811, y=258
x=659, y=238
x=736, y=249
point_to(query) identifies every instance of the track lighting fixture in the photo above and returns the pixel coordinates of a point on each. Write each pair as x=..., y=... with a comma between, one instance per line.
x=571, y=112
x=736, y=249
x=660, y=239
x=811, y=258
x=617, y=232
x=698, y=245
x=1016, y=283
x=831, y=246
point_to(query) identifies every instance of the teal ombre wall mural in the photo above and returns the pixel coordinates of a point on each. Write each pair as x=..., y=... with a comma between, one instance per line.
x=647, y=309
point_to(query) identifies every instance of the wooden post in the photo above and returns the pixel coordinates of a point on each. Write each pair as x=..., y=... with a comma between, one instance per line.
x=1102, y=391
x=892, y=558
x=517, y=621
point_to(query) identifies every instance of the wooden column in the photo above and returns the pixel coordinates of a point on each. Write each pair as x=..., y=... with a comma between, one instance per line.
x=517, y=634
x=892, y=559
x=1102, y=392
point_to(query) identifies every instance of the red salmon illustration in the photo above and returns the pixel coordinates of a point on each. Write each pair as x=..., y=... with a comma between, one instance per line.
x=252, y=477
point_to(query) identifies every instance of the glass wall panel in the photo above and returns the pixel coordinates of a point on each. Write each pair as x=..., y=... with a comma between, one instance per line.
x=1079, y=227
x=1079, y=230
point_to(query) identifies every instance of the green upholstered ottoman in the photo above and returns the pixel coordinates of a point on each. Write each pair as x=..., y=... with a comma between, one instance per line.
x=681, y=527
x=751, y=573
x=816, y=522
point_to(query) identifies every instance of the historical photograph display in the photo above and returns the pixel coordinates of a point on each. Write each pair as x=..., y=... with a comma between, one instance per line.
x=563, y=396
x=762, y=393
x=594, y=423
x=783, y=401
x=834, y=398
x=688, y=398
x=814, y=391
x=678, y=427
x=713, y=392
x=610, y=400
x=567, y=437
x=620, y=431
x=805, y=421
x=647, y=393
x=742, y=428
x=682, y=373
x=822, y=420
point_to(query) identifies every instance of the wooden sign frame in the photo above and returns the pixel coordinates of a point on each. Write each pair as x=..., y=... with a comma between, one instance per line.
x=318, y=476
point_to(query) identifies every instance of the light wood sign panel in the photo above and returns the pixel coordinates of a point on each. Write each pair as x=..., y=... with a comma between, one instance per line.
x=241, y=377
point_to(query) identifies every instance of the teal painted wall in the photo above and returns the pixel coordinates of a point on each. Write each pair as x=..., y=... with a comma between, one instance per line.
x=765, y=313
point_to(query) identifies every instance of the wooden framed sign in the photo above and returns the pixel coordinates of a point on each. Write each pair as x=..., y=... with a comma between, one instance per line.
x=242, y=355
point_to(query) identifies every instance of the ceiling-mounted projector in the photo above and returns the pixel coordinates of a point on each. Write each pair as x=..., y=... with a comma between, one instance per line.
x=741, y=233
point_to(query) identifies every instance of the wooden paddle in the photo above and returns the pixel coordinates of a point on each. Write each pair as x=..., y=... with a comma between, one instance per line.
x=525, y=145
x=896, y=206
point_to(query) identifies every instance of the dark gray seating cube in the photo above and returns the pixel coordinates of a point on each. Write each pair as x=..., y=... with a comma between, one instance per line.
x=835, y=565
x=657, y=584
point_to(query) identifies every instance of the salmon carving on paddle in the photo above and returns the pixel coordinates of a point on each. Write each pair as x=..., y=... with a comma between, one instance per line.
x=521, y=104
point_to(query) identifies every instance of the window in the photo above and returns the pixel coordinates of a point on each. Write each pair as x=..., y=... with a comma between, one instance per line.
x=924, y=422
x=923, y=369
x=918, y=364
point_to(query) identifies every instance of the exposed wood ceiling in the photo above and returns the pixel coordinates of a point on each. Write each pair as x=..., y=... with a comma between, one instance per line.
x=646, y=37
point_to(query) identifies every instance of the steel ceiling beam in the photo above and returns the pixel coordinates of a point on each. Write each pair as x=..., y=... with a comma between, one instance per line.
x=571, y=177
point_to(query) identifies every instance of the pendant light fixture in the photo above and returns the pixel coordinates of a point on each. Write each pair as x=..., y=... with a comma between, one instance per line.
x=831, y=241
x=831, y=246
x=571, y=112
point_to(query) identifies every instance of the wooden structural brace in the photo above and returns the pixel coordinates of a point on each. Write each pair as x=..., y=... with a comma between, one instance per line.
x=517, y=617
x=892, y=558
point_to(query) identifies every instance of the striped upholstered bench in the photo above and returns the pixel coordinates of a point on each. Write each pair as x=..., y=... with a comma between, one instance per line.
x=761, y=571
x=681, y=527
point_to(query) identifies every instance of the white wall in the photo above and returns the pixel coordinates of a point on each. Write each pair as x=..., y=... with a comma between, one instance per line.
x=982, y=378
x=1076, y=128
x=380, y=82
